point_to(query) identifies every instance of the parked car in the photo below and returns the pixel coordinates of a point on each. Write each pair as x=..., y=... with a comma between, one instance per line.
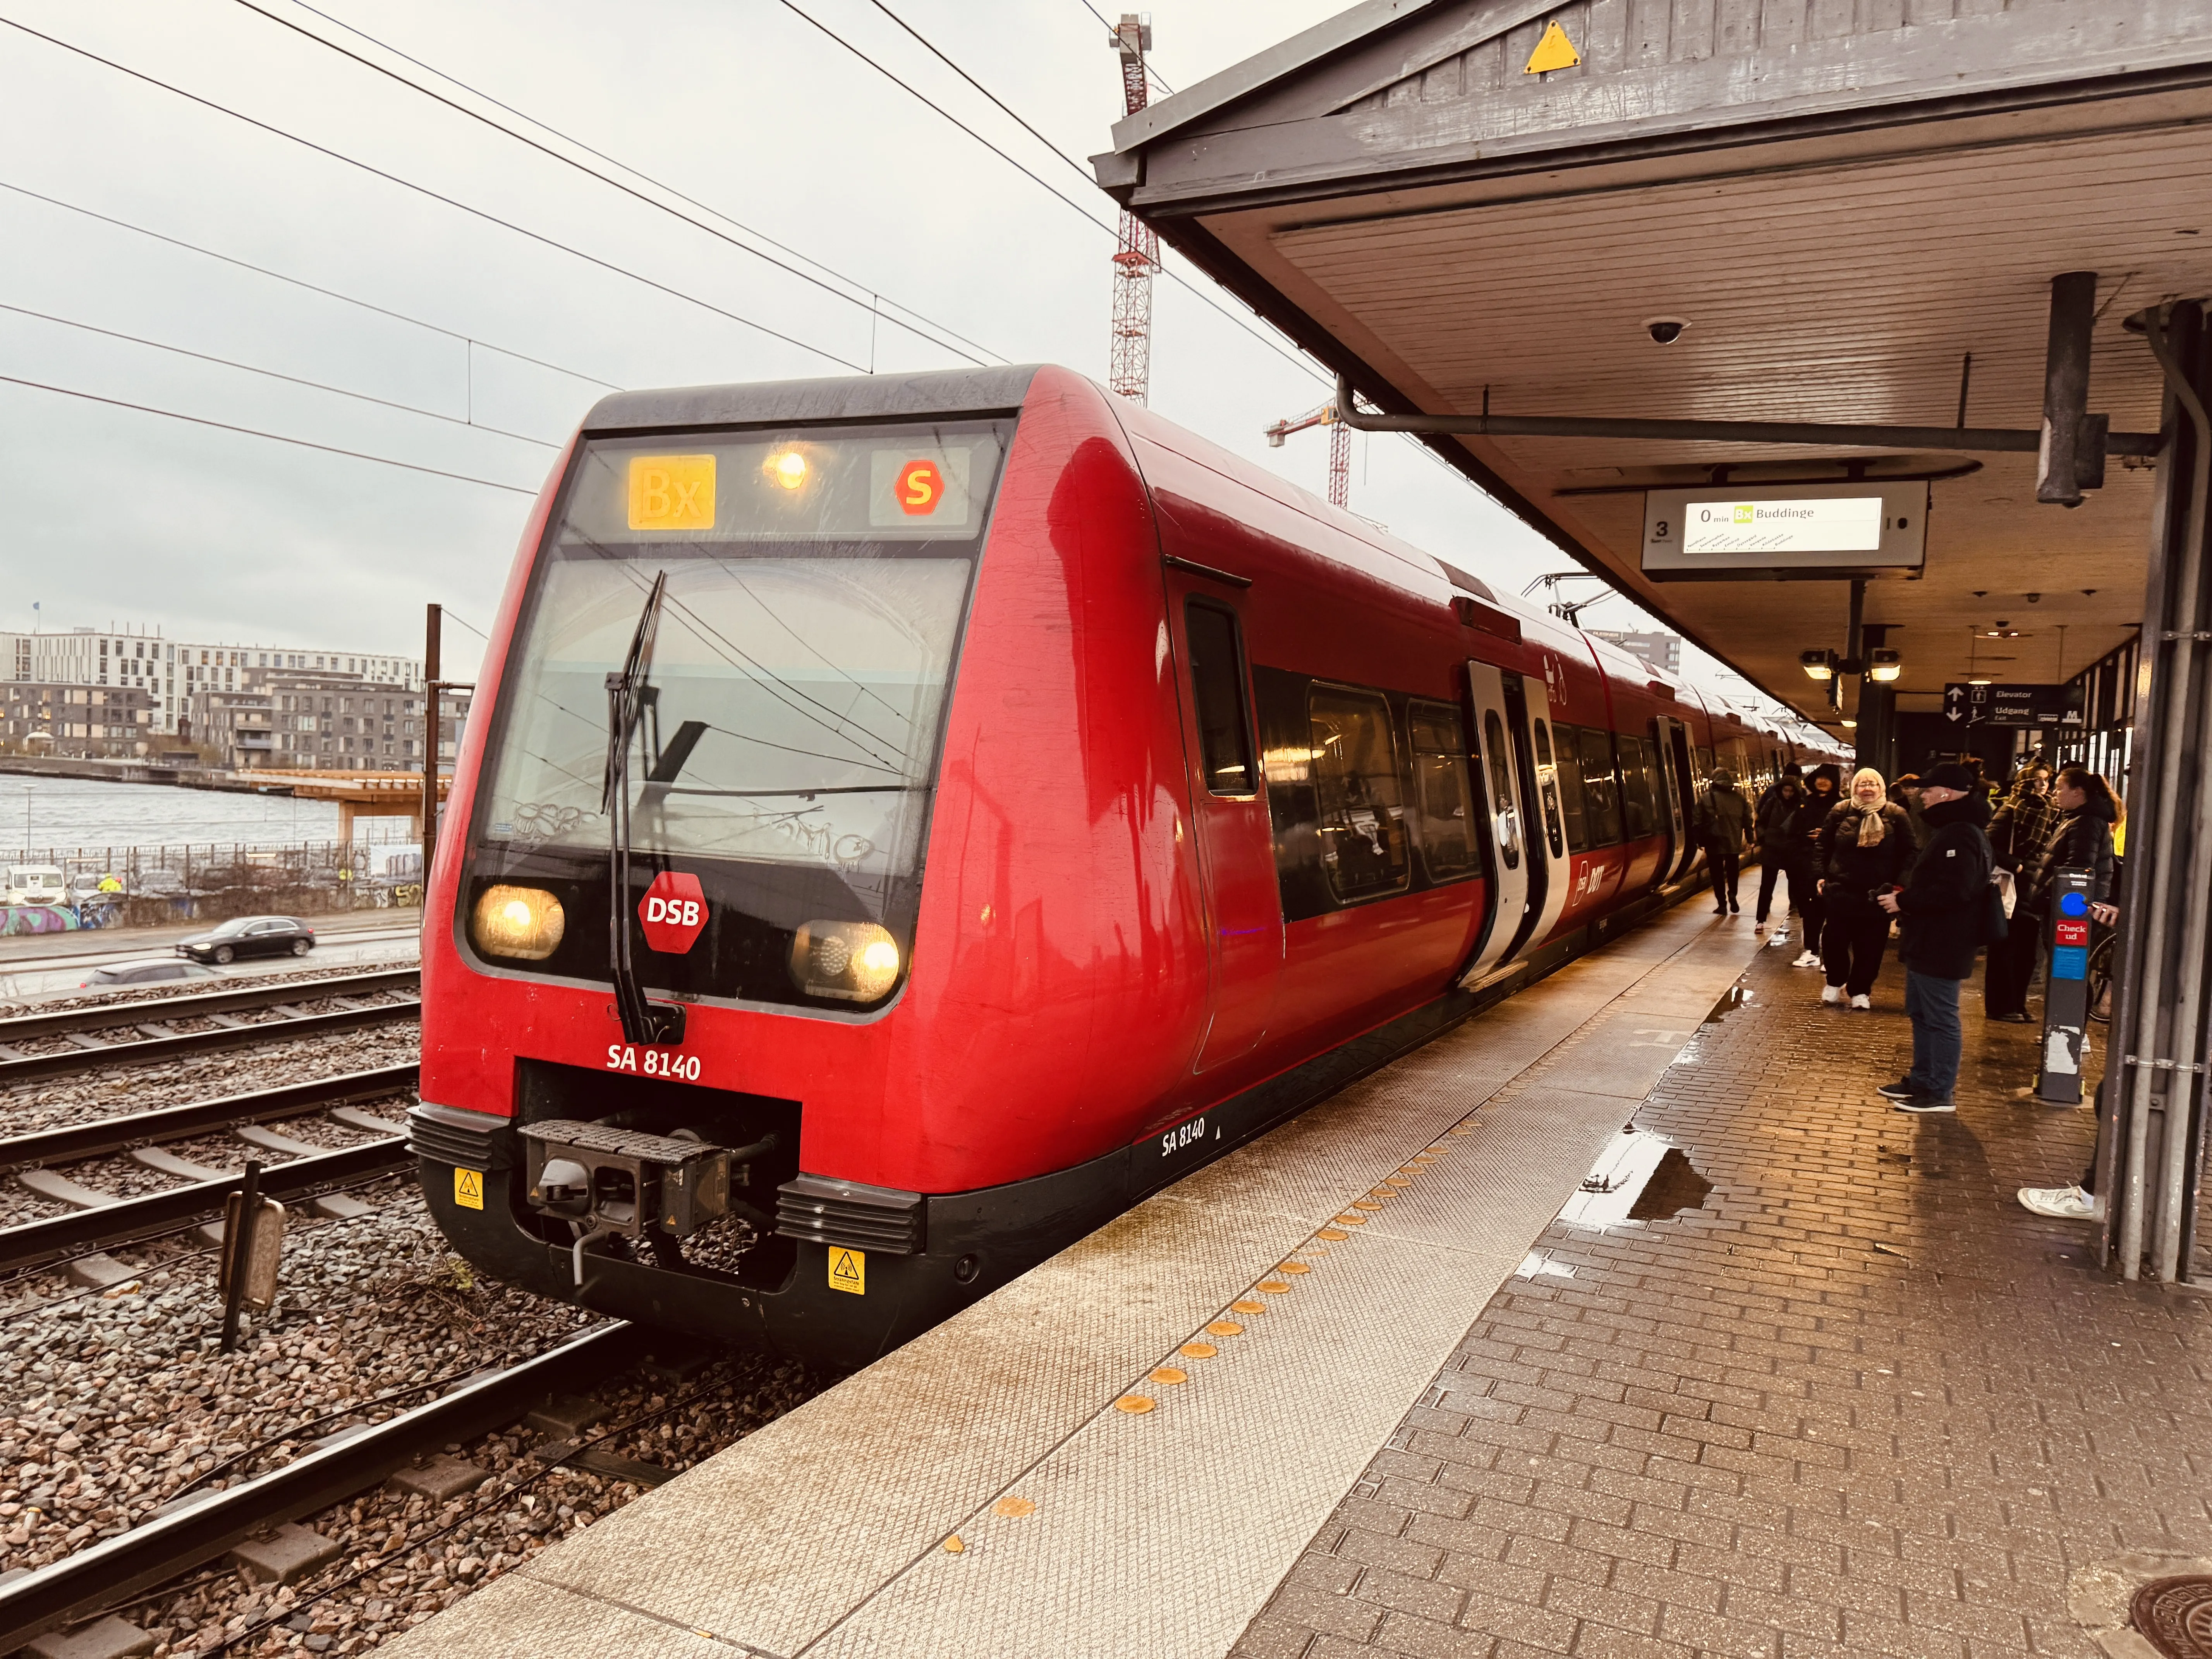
x=37, y=883
x=250, y=936
x=147, y=970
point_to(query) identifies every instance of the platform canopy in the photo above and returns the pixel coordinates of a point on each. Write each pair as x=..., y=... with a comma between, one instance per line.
x=1844, y=200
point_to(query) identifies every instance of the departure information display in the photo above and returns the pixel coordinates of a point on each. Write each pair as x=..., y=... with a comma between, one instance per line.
x=1784, y=530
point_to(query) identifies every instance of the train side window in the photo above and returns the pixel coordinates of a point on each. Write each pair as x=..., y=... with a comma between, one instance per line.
x=1501, y=788
x=1601, y=792
x=1217, y=684
x=1441, y=791
x=1639, y=806
x=1571, y=786
x=1364, y=848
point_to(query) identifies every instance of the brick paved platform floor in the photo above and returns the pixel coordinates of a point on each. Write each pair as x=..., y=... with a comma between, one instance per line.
x=1858, y=1401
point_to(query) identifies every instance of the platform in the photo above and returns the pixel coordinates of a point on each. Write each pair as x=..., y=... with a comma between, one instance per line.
x=1088, y=1529
x=1852, y=1399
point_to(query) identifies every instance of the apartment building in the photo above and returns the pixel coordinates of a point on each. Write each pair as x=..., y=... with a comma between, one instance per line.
x=172, y=673
x=80, y=721
x=320, y=721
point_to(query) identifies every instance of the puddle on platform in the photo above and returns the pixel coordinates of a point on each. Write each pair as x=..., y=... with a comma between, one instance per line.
x=1673, y=1189
x=1737, y=995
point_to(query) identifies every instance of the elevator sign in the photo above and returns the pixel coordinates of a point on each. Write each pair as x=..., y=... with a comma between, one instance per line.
x=1750, y=532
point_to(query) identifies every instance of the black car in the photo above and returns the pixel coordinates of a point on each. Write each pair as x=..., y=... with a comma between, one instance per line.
x=250, y=936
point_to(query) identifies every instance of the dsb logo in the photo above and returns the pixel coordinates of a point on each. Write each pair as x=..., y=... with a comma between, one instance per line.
x=673, y=913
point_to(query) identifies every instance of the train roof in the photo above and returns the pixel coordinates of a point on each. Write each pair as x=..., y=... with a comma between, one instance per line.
x=848, y=398
x=993, y=390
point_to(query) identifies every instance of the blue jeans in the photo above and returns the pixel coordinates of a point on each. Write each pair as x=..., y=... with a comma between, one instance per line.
x=1932, y=1004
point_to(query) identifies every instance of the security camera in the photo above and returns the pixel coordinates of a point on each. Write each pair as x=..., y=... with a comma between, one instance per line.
x=1664, y=331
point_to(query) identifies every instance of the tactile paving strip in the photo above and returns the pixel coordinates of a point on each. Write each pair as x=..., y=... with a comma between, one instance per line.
x=1097, y=1510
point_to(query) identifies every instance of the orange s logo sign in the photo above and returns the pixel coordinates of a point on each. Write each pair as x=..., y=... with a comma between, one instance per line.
x=920, y=488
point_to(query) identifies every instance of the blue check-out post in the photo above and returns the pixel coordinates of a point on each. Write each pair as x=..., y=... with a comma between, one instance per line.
x=2066, y=990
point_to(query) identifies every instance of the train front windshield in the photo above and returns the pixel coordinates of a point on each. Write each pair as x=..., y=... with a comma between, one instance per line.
x=786, y=750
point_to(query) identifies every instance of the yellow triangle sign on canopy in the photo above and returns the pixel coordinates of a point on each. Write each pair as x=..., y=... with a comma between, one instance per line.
x=1553, y=52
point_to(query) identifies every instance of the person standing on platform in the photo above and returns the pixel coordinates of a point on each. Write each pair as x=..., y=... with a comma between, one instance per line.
x=2081, y=840
x=1905, y=792
x=2018, y=834
x=1723, y=815
x=1870, y=844
x=1805, y=856
x=1777, y=814
x=1944, y=904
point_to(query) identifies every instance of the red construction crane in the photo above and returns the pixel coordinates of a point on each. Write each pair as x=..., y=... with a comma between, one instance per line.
x=1339, y=449
x=1129, y=372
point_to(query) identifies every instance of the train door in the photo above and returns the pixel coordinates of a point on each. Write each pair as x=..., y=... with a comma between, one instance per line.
x=1228, y=815
x=1686, y=785
x=1673, y=769
x=1551, y=846
x=1501, y=758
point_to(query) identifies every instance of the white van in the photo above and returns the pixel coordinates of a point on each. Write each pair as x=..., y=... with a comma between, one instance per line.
x=37, y=883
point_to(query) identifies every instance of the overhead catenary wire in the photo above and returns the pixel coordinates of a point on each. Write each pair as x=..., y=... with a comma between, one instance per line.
x=274, y=375
x=1290, y=352
x=488, y=216
x=877, y=300
x=256, y=432
x=302, y=282
x=630, y=191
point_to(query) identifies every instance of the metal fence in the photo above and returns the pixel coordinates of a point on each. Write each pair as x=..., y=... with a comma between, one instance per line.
x=209, y=881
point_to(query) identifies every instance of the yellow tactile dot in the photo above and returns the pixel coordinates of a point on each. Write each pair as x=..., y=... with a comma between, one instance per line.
x=1293, y=1267
x=1013, y=1508
x=1247, y=1307
x=1168, y=1376
x=1225, y=1328
x=1198, y=1350
x=953, y=1545
x=1334, y=1235
x=1365, y=1204
x=1274, y=1286
x=1348, y=1219
x=1398, y=1180
x=1135, y=1404
x=1461, y=1129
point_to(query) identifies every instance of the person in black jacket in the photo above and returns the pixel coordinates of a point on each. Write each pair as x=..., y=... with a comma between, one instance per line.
x=1944, y=902
x=2018, y=834
x=2081, y=841
x=1869, y=843
x=1821, y=796
x=1778, y=811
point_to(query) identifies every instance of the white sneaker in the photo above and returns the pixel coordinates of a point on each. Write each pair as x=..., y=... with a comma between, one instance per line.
x=1831, y=995
x=2062, y=1203
x=1807, y=959
x=1863, y=1002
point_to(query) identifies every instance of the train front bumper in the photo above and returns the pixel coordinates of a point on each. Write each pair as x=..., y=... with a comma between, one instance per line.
x=803, y=1291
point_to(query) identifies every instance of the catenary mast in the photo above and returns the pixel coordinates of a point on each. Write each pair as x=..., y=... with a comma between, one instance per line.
x=1130, y=369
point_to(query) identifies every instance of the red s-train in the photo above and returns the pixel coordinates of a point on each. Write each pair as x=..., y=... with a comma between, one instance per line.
x=908, y=820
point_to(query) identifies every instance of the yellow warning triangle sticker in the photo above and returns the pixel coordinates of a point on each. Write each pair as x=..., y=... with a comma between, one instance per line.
x=1553, y=52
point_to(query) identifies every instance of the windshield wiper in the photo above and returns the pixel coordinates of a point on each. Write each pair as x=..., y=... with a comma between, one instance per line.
x=643, y=1023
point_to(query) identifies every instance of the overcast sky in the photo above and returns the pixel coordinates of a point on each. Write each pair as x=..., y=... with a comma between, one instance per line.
x=114, y=516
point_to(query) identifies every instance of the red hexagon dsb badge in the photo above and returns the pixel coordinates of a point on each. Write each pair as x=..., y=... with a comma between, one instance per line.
x=673, y=913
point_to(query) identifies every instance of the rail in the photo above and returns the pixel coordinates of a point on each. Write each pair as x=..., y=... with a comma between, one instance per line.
x=109, y=1572
x=197, y=1004
x=72, y=1143
x=160, y=1043
x=132, y=1220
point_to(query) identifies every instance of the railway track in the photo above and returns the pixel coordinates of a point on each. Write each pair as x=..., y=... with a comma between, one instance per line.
x=98, y=1222
x=202, y=1527
x=84, y=1039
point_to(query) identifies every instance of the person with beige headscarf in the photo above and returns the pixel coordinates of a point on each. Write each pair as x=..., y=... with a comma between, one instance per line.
x=1866, y=844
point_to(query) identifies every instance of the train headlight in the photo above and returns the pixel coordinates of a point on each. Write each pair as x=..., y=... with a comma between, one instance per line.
x=851, y=960
x=787, y=469
x=523, y=923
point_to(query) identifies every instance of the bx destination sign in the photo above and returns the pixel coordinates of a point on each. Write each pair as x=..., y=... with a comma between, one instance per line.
x=1784, y=530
